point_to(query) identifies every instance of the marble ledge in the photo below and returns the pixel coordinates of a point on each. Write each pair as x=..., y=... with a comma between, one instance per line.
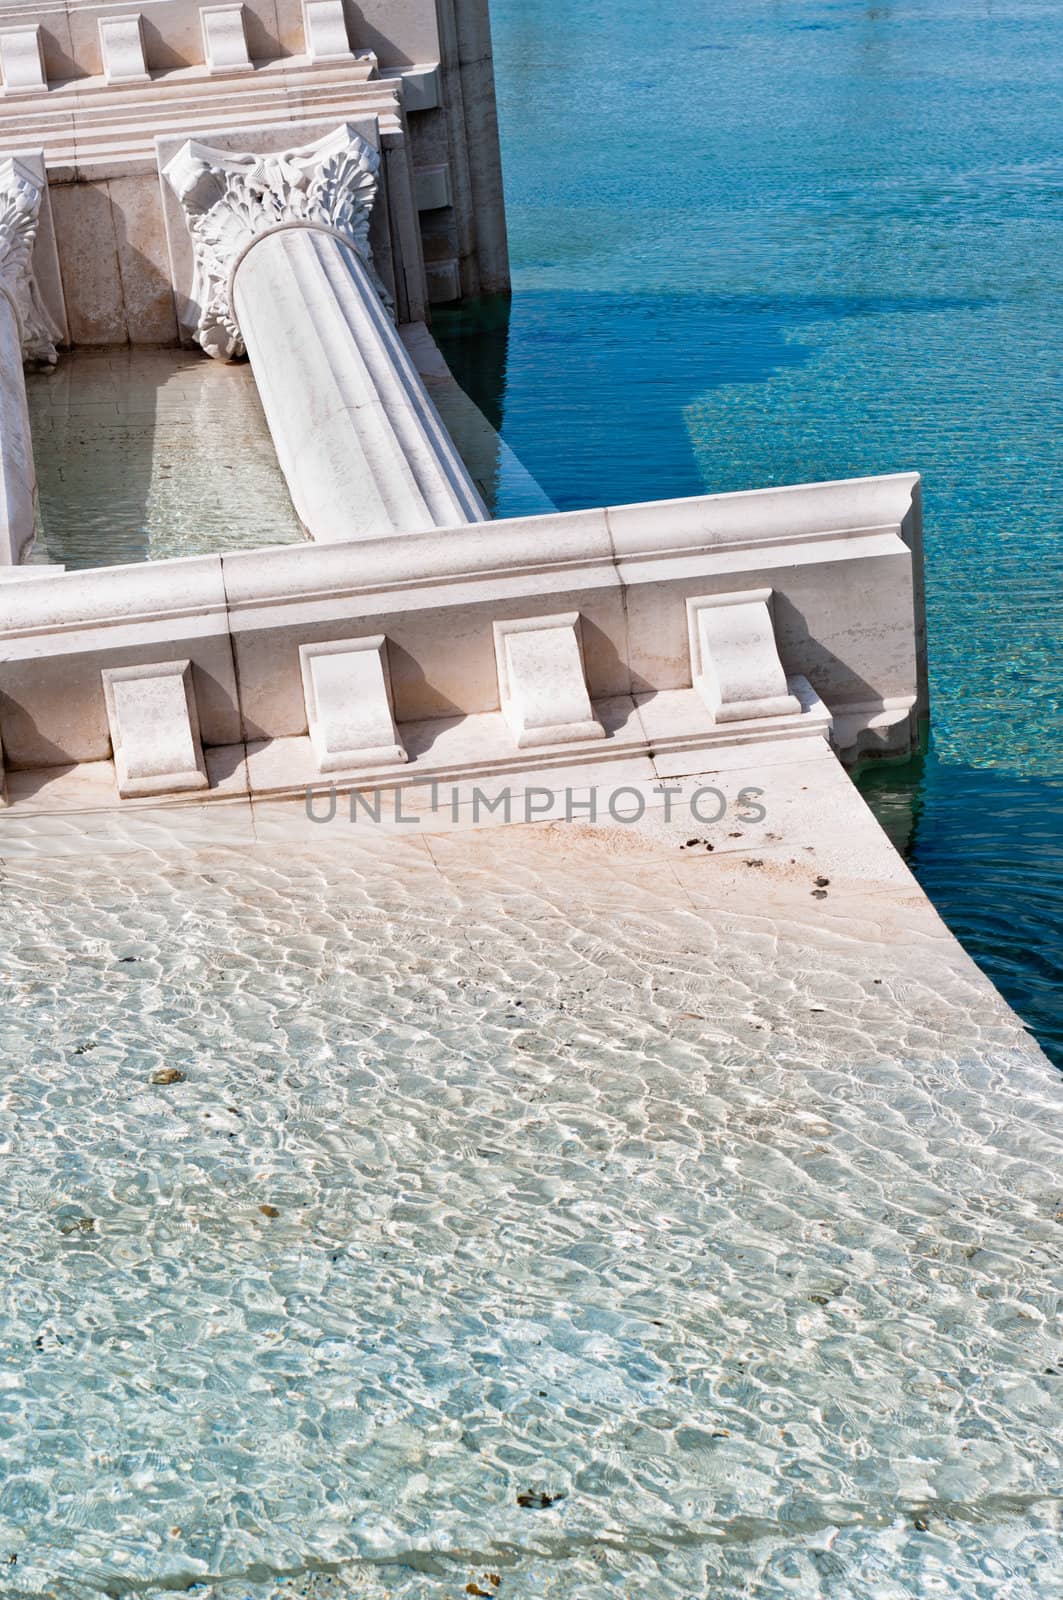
x=816, y=864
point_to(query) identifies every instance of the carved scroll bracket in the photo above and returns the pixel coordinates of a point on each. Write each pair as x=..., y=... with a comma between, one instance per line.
x=21, y=193
x=231, y=201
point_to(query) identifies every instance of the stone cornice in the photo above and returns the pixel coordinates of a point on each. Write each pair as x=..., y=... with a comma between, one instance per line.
x=230, y=201
x=798, y=524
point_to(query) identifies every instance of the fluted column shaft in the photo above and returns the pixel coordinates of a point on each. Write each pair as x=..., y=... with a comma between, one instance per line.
x=359, y=441
x=284, y=270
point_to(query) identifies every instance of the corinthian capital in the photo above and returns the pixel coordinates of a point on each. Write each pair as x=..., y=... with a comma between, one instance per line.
x=229, y=201
x=21, y=190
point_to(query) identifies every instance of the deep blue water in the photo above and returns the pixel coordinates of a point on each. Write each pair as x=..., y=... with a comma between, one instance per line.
x=771, y=241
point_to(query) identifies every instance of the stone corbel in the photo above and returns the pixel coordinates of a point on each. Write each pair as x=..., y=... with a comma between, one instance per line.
x=734, y=659
x=541, y=684
x=230, y=201
x=122, y=49
x=325, y=30
x=225, y=39
x=347, y=691
x=22, y=60
x=154, y=723
x=23, y=197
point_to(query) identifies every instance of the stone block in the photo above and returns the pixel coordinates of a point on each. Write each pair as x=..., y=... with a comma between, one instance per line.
x=347, y=689
x=541, y=684
x=444, y=281
x=431, y=187
x=421, y=90
x=151, y=711
x=734, y=659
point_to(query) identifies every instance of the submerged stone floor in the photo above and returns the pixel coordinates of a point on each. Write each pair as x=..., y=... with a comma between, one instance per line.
x=143, y=454
x=543, y=1210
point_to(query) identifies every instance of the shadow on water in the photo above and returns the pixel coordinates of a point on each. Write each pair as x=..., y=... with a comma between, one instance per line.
x=987, y=847
x=570, y=379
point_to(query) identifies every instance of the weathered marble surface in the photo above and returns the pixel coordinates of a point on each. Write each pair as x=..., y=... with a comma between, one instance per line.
x=28, y=333
x=841, y=560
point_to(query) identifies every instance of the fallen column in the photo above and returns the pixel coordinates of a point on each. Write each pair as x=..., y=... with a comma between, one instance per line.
x=284, y=272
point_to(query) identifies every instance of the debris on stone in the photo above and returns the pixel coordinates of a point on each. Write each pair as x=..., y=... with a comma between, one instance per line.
x=536, y=1500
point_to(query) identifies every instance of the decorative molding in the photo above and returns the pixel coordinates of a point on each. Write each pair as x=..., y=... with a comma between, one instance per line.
x=734, y=659
x=21, y=194
x=542, y=687
x=229, y=201
x=845, y=609
x=347, y=690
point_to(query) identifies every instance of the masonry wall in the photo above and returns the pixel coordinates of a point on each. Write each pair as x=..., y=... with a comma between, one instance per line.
x=422, y=68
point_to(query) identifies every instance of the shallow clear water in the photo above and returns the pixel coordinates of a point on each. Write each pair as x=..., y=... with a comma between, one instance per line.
x=767, y=243
x=142, y=454
x=611, y=1245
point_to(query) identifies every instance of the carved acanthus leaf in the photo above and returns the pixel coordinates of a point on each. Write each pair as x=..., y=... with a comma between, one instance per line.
x=20, y=209
x=230, y=200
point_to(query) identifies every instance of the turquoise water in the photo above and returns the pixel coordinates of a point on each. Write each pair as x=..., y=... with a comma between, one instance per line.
x=777, y=242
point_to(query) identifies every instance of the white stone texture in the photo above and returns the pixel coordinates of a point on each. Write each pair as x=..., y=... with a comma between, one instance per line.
x=23, y=198
x=326, y=30
x=844, y=601
x=734, y=659
x=541, y=684
x=231, y=200
x=122, y=49
x=284, y=269
x=26, y=333
x=224, y=39
x=358, y=439
x=347, y=688
x=154, y=724
x=54, y=651
x=97, y=124
x=22, y=60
